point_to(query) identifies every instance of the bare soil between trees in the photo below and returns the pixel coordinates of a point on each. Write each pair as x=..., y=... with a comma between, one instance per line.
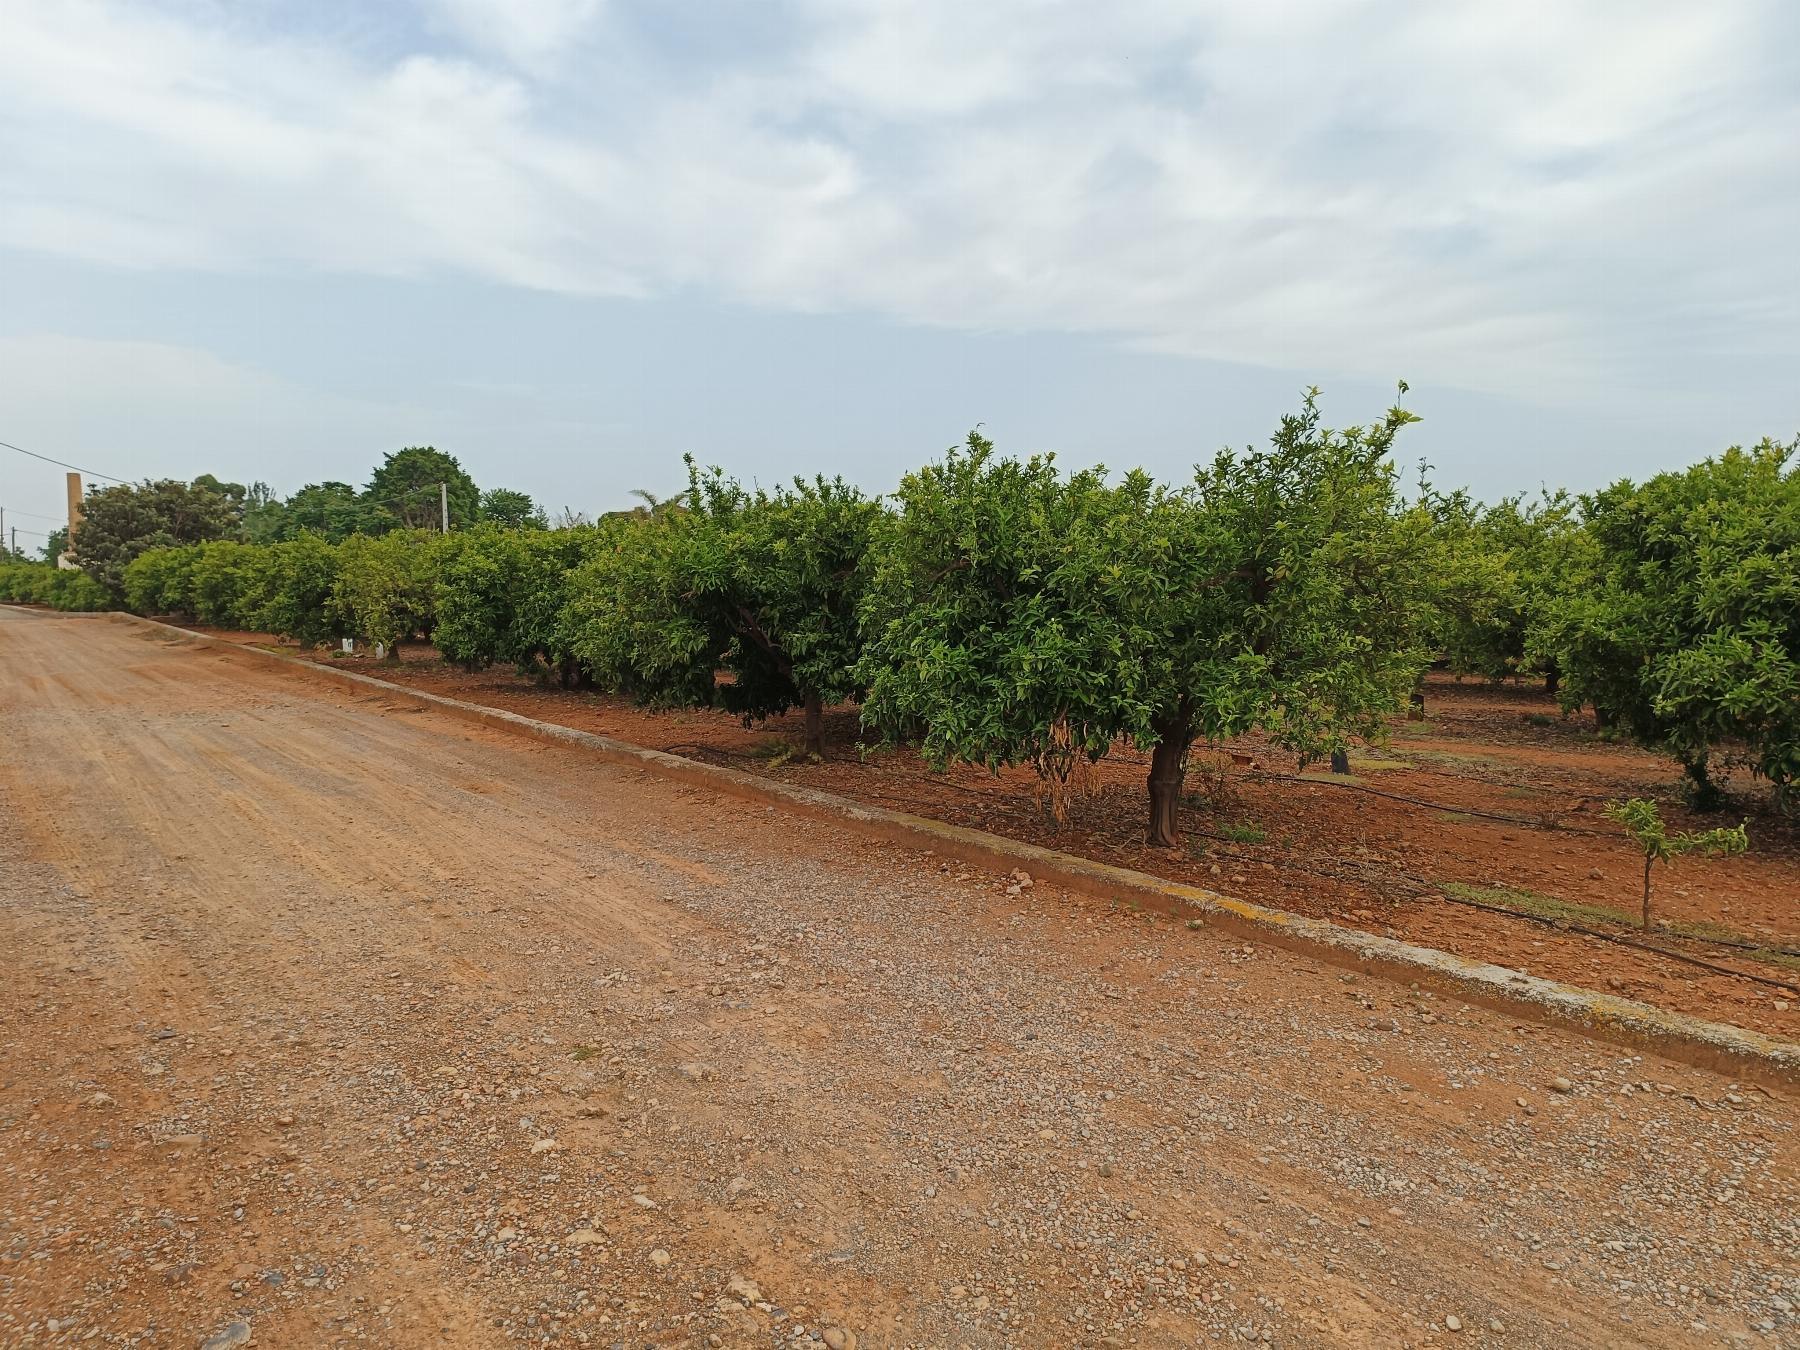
x=1479, y=831
x=329, y=1021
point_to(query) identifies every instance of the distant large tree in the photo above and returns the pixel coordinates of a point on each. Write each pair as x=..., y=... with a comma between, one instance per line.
x=118, y=523
x=333, y=510
x=504, y=506
x=403, y=492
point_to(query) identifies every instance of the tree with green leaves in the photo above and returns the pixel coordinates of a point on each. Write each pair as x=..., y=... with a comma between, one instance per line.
x=161, y=581
x=1681, y=625
x=120, y=522
x=1498, y=567
x=385, y=590
x=1644, y=823
x=403, y=492
x=296, y=595
x=1018, y=616
x=999, y=624
x=762, y=585
x=218, y=580
x=332, y=510
x=514, y=510
x=502, y=596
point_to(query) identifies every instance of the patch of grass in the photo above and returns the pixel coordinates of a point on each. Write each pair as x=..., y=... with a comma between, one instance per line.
x=1519, y=793
x=1412, y=728
x=1455, y=817
x=1326, y=776
x=583, y=1052
x=1541, y=720
x=1359, y=765
x=1243, y=834
x=1536, y=902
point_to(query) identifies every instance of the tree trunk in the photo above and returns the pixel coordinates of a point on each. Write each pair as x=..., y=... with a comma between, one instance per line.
x=1703, y=794
x=1168, y=769
x=815, y=726
x=567, y=671
x=1552, y=681
x=1647, y=864
x=1415, y=702
x=1340, y=761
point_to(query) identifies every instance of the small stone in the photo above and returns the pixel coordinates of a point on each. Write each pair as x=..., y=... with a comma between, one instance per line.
x=836, y=1338
x=585, y=1237
x=696, y=1072
x=234, y=1333
x=1560, y=1084
x=99, y=1101
x=543, y=1145
x=660, y=1258
x=745, y=1288
x=643, y=1201
x=1453, y=1322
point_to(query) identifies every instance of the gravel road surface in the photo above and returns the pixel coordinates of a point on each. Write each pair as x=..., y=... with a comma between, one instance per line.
x=327, y=1021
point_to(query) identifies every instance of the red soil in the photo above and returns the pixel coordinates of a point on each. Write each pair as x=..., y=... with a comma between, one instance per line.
x=1333, y=849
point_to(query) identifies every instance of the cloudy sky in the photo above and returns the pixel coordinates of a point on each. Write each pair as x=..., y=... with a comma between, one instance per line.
x=569, y=239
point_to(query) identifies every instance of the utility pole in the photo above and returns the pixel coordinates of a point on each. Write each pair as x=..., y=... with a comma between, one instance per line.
x=444, y=505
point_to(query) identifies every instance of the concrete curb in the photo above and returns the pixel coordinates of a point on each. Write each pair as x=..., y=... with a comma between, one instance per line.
x=1745, y=1054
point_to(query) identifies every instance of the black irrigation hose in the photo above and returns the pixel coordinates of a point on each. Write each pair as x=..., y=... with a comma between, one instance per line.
x=1521, y=821
x=1788, y=986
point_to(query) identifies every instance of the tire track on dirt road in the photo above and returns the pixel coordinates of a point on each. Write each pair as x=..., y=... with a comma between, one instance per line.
x=362, y=1024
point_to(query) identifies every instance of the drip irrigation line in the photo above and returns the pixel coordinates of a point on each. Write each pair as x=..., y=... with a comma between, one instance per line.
x=1521, y=821
x=1564, y=926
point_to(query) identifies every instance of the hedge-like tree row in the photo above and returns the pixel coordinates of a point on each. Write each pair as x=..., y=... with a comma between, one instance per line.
x=1002, y=611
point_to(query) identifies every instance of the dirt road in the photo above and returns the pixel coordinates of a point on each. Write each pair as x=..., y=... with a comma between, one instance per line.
x=329, y=1021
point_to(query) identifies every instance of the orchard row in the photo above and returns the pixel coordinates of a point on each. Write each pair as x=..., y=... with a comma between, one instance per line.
x=1002, y=611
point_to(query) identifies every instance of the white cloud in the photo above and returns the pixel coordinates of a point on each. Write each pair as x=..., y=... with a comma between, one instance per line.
x=533, y=34
x=1531, y=198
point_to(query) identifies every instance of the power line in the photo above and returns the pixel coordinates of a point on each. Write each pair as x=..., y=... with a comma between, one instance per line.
x=62, y=463
x=15, y=511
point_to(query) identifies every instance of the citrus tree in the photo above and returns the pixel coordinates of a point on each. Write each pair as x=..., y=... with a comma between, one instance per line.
x=293, y=590
x=503, y=596
x=385, y=589
x=1498, y=567
x=998, y=619
x=762, y=585
x=161, y=581
x=1020, y=616
x=1682, y=622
